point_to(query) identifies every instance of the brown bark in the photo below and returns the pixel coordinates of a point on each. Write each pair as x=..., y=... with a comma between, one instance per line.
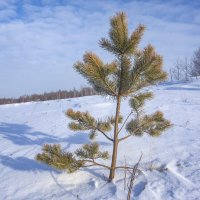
x=115, y=141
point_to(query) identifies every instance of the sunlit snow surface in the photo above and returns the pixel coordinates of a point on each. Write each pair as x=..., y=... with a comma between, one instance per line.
x=24, y=128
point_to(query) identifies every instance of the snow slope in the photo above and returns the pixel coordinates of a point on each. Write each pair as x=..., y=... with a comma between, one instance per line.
x=170, y=163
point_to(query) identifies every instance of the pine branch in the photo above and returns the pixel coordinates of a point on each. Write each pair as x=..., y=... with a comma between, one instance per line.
x=156, y=124
x=84, y=122
x=111, y=90
x=91, y=151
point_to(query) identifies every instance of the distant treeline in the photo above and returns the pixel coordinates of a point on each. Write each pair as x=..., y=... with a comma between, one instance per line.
x=60, y=94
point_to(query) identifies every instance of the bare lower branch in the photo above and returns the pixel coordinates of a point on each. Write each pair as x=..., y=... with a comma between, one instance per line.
x=98, y=164
x=94, y=163
x=121, y=139
x=105, y=134
x=125, y=121
x=124, y=124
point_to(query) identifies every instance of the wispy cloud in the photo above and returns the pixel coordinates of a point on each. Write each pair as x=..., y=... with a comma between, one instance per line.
x=40, y=40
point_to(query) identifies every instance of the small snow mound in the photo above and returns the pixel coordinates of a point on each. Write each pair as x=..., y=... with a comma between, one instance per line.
x=94, y=183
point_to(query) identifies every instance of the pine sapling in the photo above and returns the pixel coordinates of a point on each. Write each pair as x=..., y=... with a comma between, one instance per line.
x=126, y=76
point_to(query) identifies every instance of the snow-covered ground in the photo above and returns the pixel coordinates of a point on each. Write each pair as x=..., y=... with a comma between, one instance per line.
x=170, y=163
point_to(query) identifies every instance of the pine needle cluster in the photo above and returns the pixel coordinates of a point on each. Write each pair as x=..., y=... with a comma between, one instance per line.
x=54, y=156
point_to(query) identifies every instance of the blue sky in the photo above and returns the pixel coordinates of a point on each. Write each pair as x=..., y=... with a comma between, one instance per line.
x=41, y=39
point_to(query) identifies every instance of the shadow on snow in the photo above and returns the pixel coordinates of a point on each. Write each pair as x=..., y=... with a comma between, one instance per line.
x=182, y=88
x=22, y=134
x=23, y=164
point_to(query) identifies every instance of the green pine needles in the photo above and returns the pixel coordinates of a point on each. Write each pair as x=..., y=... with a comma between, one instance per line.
x=131, y=70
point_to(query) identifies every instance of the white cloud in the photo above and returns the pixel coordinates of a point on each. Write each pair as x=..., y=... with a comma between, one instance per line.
x=40, y=45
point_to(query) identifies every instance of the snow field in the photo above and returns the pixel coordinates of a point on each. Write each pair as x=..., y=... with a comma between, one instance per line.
x=170, y=163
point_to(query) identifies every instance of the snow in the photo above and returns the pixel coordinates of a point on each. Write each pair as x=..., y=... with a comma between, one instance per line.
x=170, y=164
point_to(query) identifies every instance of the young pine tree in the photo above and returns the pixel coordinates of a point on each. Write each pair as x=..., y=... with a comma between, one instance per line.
x=131, y=70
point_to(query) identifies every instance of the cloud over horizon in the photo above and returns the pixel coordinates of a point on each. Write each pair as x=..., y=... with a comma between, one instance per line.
x=41, y=39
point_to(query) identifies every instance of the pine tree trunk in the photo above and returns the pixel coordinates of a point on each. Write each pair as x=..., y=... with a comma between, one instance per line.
x=115, y=142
